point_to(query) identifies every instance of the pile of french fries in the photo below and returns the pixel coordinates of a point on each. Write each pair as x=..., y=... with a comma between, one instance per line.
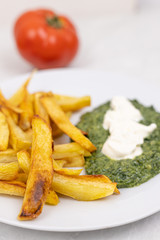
x=31, y=166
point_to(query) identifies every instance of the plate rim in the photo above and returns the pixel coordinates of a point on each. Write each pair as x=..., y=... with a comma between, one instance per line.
x=87, y=229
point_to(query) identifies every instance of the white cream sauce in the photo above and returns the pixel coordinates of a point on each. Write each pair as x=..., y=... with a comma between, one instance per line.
x=126, y=133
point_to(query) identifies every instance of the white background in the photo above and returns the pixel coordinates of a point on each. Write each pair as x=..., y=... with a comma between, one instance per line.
x=125, y=43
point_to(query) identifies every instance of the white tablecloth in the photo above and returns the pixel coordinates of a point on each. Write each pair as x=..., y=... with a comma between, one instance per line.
x=126, y=44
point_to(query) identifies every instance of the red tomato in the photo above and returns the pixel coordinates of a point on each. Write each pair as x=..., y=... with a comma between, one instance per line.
x=45, y=39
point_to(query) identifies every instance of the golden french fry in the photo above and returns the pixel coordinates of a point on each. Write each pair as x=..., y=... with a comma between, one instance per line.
x=14, y=188
x=9, y=171
x=27, y=114
x=4, y=132
x=29, y=133
x=14, y=116
x=60, y=163
x=55, y=130
x=69, y=172
x=41, y=171
x=55, y=165
x=22, y=177
x=116, y=189
x=18, y=139
x=8, y=155
x=83, y=188
x=68, y=114
x=52, y=198
x=69, y=150
x=9, y=152
x=68, y=103
x=15, y=182
x=19, y=96
x=39, y=108
x=66, y=171
x=4, y=102
x=24, y=160
x=17, y=188
x=75, y=161
x=61, y=120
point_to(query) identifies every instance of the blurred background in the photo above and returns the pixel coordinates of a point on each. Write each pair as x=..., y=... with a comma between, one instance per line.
x=119, y=36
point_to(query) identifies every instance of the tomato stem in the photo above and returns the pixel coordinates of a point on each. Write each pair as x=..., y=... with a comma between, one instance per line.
x=54, y=22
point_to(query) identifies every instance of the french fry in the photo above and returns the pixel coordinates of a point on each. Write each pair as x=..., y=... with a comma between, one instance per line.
x=61, y=163
x=19, y=96
x=4, y=132
x=39, y=108
x=22, y=177
x=15, y=182
x=14, y=116
x=55, y=130
x=116, y=189
x=83, y=188
x=76, y=161
x=29, y=133
x=52, y=198
x=61, y=120
x=66, y=171
x=4, y=102
x=24, y=160
x=55, y=165
x=17, y=188
x=41, y=171
x=69, y=150
x=18, y=139
x=27, y=114
x=14, y=188
x=69, y=172
x=9, y=171
x=68, y=103
x=8, y=155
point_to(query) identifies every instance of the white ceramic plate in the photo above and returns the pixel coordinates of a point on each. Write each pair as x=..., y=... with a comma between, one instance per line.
x=70, y=215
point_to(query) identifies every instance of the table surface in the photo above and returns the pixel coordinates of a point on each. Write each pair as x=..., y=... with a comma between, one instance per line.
x=127, y=44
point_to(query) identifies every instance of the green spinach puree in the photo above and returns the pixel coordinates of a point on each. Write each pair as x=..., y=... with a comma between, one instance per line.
x=127, y=172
